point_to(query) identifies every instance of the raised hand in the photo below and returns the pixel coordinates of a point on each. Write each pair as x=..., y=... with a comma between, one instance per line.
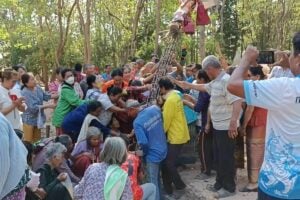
x=251, y=54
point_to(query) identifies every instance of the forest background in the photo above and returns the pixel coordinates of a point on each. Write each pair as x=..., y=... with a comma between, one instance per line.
x=45, y=34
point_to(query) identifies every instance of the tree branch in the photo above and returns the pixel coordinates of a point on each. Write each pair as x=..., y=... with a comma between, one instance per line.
x=116, y=17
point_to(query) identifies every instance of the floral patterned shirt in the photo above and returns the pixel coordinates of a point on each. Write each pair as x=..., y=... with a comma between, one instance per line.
x=91, y=187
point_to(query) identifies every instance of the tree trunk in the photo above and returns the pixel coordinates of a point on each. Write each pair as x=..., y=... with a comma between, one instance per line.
x=139, y=9
x=222, y=21
x=202, y=43
x=86, y=30
x=63, y=34
x=157, y=30
x=43, y=61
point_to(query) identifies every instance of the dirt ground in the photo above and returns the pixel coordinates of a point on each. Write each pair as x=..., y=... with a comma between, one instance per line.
x=197, y=189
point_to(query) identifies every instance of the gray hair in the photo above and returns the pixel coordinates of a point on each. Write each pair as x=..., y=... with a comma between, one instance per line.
x=85, y=66
x=114, y=151
x=211, y=61
x=140, y=61
x=93, y=131
x=55, y=149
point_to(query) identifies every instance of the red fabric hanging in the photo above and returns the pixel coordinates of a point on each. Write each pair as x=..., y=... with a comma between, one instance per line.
x=188, y=25
x=202, y=16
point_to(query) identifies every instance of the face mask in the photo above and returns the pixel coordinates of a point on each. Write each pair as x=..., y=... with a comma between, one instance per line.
x=70, y=80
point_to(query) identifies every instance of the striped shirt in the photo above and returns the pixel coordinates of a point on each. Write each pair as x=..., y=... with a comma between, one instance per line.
x=220, y=102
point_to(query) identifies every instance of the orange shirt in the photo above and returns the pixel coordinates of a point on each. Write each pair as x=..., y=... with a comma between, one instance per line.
x=110, y=83
x=131, y=166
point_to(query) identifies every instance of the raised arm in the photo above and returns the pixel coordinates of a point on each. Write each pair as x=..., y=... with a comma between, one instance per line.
x=187, y=86
x=236, y=82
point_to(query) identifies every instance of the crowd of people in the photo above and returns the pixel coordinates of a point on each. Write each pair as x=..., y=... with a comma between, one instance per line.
x=109, y=145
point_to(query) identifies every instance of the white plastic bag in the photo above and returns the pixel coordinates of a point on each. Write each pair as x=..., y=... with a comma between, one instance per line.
x=41, y=119
x=34, y=181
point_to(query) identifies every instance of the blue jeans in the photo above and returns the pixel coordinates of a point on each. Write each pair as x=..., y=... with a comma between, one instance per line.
x=153, y=177
x=149, y=191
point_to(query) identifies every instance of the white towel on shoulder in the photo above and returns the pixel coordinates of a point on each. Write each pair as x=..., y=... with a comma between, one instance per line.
x=86, y=123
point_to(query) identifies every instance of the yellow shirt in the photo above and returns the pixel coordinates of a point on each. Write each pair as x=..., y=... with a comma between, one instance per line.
x=175, y=124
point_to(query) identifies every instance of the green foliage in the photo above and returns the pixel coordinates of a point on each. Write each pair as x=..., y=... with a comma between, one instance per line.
x=30, y=33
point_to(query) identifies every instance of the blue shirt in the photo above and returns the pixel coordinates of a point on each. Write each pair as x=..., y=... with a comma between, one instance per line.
x=33, y=99
x=150, y=135
x=202, y=107
x=190, y=79
x=280, y=172
x=190, y=114
x=106, y=77
x=73, y=121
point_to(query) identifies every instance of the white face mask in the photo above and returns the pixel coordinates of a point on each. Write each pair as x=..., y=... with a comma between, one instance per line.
x=70, y=80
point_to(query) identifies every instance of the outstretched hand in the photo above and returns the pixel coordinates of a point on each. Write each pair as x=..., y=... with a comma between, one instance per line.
x=184, y=85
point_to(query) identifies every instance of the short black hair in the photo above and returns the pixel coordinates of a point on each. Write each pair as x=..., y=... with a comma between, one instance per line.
x=58, y=70
x=18, y=66
x=258, y=70
x=114, y=91
x=135, y=83
x=106, y=66
x=93, y=106
x=90, y=80
x=203, y=75
x=296, y=43
x=25, y=79
x=117, y=72
x=78, y=67
x=189, y=66
x=198, y=66
x=166, y=83
x=64, y=71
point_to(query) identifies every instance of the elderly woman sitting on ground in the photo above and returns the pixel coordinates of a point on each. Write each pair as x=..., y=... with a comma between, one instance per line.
x=106, y=180
x=40, y=155
x=50, y=180
x=87, y=151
